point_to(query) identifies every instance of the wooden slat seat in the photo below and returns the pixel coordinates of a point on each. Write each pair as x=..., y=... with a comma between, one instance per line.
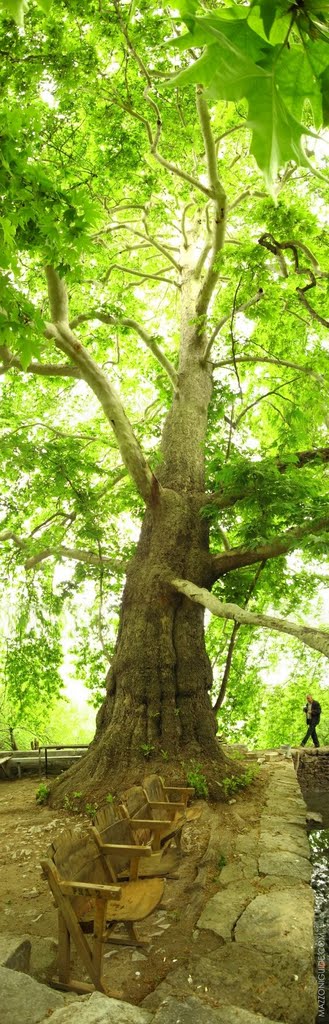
x=126, y=855
x=157, y=791
x=88, y=902
x=162, y=818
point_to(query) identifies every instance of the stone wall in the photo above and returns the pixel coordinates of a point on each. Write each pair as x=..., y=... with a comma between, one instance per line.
x=312, y=766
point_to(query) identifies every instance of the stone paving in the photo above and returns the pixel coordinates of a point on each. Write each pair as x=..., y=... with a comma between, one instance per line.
x=259, y=925
x=262, y=917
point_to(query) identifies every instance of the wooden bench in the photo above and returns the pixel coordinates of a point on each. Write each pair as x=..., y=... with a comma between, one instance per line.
x=88, y=902
x=150, y=806
x=161, y=795
x=125, y=856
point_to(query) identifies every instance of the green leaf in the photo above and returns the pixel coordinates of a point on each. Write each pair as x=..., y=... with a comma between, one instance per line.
x=16, y=10
x=45, y=5
x=187, y=8
x=297, y=82
x=228, y=72
x=276, y=135
x=268, y=15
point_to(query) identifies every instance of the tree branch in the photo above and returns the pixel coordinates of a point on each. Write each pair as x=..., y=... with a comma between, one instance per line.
x=131, y=452
x=77, y=555
x=61, y=551
x=236, y=558
x=142, y=275
x=316, y=638
x=151, y=342
x=219, y=197
x=57, y=294
x=245, y=305
x=231, y=646
x=273, y=391
x=9, y=535
x=39, y=369
x=272, y=245
x=272, y=359
x=147, y=238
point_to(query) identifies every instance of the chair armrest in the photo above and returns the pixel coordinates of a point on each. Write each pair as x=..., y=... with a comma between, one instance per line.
x=180, y=789
x=167, y=806
x=106, y=892
x=154, y=824
x=134, y=851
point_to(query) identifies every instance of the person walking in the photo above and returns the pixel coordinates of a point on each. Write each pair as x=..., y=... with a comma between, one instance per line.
x=313, y=711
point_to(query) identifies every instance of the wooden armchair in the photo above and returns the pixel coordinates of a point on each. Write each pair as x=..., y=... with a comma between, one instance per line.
x=128, y=853
x=88, y=902
x=158, y=818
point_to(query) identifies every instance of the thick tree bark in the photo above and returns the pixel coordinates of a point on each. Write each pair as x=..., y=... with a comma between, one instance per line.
x=158, y=704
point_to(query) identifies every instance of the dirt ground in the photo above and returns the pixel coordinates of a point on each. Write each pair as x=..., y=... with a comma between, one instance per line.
x=26, y=903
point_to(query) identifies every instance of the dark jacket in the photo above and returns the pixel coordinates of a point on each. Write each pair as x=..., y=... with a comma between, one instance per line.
x=315, y=712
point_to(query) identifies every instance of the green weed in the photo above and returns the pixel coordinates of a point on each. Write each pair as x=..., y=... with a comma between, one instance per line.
x=42, y=793
x=236, y=782
x=197, y=779
x=90, y=810
x=147, y=749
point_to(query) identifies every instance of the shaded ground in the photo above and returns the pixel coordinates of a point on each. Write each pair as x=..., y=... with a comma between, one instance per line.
x=26, y=903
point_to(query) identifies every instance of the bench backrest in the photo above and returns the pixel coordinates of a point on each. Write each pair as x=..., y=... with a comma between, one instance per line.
x=106, y=816
x=76, y=858
x=153, y=787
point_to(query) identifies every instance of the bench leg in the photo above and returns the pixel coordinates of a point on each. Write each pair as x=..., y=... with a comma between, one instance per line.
x=98, y=939
x=63, y=951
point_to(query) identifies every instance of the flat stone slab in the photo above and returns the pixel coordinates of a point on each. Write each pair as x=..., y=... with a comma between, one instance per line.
x=194, y=1012
x=286, y=805
x=279, y=987
x=285, y=864
x=24, y=1001
x=280, y=922
x=99, y=1009
x=275, y=824
x=222, y=911
x=270, y=841
x=15, y=952
x=246, y=843
x=242, y=868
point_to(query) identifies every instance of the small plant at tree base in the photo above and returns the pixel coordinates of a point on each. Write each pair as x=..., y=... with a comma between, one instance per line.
x=196, y=779
x=72, y=802
x=164, y=755
x=221, y=861
x=147, y=749
x=90, y=810
x=109, y=799
x=236, y=782
x=42, y=793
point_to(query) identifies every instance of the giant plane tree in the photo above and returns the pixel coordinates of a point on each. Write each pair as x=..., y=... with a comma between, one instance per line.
x=164, y=340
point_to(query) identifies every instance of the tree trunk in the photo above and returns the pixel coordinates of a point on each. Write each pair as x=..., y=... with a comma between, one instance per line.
x=157, y=704
x=157, y=707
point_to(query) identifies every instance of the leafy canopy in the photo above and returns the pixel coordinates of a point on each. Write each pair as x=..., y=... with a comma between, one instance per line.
x=273, y=56
x=84, y=192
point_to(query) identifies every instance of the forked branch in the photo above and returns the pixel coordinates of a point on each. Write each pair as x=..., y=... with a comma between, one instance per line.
x=149, y=339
